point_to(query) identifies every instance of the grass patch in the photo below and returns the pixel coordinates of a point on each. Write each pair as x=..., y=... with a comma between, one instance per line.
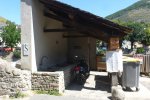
x=19, y=95
x=49, y=92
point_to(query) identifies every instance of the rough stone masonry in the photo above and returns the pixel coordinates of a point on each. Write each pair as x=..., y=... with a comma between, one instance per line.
x=13, y=80
x=48, y=81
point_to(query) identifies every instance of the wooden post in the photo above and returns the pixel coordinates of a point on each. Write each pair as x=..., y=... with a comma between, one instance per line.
x=113, y=46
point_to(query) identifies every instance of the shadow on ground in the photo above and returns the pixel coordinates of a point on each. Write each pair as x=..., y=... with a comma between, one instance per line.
x=101, y=83
x=8, y=56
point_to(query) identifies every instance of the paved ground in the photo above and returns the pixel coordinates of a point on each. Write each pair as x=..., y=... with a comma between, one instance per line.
x=145, y=81
x=97, y=87
x=142, y=94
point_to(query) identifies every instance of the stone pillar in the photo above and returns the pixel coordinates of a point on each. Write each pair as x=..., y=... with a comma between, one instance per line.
x=27, y=37
x=114, y=79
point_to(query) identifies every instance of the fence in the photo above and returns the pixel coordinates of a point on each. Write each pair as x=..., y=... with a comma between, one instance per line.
x=145, y=66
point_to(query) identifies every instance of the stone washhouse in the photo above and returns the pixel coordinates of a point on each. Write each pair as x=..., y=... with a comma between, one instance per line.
x=53, y=33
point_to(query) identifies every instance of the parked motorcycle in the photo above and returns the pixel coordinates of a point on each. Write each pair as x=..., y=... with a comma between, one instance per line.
x=81, y=71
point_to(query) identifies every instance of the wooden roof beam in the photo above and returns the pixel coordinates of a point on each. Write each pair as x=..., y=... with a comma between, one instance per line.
x=86, y=23
x=67, y=8
x=59, y=30
x=79, y=28
x=75, y=36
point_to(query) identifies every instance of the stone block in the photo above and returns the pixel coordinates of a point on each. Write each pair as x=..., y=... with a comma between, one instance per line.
x=4, y=92
x=2, y=69
x=18, y=65
x=16, y=72
x=117, y=94
x=1, y=79
x=14, y=85
x=8, y=70
x=4, y=86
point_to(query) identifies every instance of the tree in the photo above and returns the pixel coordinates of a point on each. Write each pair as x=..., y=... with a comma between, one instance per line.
x=141, y=32
x=138, y=32
x=136, y=35
x=146, y=39
x=11, y=34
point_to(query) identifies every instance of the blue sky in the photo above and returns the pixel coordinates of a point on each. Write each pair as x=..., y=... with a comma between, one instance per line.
x=10, y=9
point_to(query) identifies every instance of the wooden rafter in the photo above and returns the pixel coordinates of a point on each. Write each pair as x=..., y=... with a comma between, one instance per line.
x=59, y=30
x=67, y=19
x=82, y=29
x=75, y=36
x=55, y=5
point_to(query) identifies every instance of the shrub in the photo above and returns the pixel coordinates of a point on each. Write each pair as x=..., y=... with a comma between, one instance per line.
x=17, y=54
x=140, y=50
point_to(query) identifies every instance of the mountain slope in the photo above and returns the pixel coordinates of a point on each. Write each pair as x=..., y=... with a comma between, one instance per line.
x=2, y=20
x=138, y=12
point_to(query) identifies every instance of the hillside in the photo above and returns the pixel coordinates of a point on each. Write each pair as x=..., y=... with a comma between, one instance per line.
x=138, y=12
x=2, y=20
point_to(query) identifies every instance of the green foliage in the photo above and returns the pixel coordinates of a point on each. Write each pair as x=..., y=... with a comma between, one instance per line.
x=146, y=36
x=101, y=52
x=138, y=12
x=17, y=54
x=50, y=92
x=11, y=34
x=140, y=50
x=138, y=31
x=141, y=32
x=19, y=95
x=98, y=42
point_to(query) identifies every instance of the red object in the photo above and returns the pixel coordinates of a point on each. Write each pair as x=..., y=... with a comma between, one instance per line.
x=6, y=49
x=77, y=68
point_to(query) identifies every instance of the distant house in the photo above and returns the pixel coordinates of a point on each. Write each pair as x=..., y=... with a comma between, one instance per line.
x=1, y=26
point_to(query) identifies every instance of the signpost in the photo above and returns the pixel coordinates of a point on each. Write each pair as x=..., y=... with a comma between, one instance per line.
x=25, y=49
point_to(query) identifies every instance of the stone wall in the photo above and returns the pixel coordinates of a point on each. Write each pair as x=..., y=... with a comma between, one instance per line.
x=48, y=81
x=13, y=80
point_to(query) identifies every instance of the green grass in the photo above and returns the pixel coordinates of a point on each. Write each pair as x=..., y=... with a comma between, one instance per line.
x=49, y=92
x=18, y=95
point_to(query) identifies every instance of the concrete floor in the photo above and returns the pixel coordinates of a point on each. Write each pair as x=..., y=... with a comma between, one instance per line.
x=97, y=87
x=145, y=81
